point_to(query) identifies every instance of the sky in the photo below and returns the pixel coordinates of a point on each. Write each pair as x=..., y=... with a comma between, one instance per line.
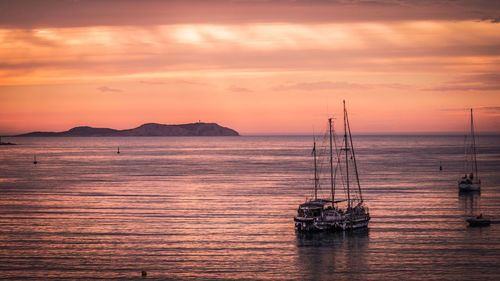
x=257, y=66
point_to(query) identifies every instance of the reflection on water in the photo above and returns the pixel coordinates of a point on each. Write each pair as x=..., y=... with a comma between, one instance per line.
x=331, y=239
x=470, y=203
x=324, y=255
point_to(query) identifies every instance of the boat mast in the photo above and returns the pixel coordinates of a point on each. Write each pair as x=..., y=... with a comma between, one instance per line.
x=354, y=158
x=331, y=160
x=315, y=172
x=473, y=143
x=466, y=166
x=346, y=158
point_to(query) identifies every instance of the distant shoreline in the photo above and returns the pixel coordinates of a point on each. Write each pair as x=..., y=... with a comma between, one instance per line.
x=145, y=130
x=270, y=136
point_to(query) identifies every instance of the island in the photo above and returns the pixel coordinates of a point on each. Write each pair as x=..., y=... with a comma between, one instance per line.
x=145, y=130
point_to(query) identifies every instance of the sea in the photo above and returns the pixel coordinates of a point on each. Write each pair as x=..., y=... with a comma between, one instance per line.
x=222, y=208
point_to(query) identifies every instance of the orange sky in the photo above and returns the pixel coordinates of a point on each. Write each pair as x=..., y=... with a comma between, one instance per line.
x=255, y=66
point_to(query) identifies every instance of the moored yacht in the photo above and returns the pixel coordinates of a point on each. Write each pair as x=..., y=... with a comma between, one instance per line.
x=470, y=180
x=330, y=214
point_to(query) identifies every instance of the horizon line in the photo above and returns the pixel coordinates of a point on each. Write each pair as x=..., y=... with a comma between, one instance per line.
x=292, y=134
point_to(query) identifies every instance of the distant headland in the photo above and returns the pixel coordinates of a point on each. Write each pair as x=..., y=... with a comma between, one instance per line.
x=145, y=130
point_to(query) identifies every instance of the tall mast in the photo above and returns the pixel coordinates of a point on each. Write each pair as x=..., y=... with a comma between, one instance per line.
x=473, y=143
x=315, y=172
x=331, y=160
x=354, y=158
x=466, y=166
x=346, y=158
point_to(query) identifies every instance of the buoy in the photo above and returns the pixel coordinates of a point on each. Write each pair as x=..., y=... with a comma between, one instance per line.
x=34, y=160
x=144, y=273
x=440, y=166
x=118, y=151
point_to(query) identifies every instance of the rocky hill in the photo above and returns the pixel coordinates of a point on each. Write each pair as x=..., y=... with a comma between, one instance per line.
x=148, y=129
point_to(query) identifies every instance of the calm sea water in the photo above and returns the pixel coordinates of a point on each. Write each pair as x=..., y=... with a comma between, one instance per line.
x=222, y=208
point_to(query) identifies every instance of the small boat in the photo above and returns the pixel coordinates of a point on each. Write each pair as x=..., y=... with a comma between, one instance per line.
x=478, y=221
x=320, y=214
x=470, y=181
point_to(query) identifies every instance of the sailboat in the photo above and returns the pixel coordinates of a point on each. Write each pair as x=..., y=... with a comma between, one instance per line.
x=470, y=180
x=319, y=214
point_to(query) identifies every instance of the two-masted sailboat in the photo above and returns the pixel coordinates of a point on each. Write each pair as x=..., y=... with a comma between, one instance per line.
x=319, y=214
x=470, y=180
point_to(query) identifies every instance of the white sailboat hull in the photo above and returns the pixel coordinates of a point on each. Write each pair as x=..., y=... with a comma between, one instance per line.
x=474, y=186
x=332, y=224
x=358, y=222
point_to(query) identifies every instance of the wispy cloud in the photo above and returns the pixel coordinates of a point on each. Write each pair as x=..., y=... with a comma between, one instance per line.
x=318, y=85
x=237, y=89
x=493, y=110
x=492, y=20
x=167, y=82
x=106, y=89
x=490, y=109
x=335, y=85
x=150, y=82
x=465, y=83
x=464, y=88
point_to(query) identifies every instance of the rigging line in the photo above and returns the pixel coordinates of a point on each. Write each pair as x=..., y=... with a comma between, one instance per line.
x=315, y=172
x=338, y=166
x=354, y=158
x=467, y=150
x=466, y=155
x=322, y=159
x=346, y=159
x=330, y=128
x=473, y=144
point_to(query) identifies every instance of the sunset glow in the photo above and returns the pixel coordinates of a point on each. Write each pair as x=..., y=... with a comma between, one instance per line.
x=255, y=73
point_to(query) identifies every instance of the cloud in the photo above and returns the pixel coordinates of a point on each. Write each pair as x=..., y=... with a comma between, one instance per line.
x=464, y=88
x=486, y=109
x=106, y=89
x=318, y=85
x=31, y=38
x=177, y=81
x=108, y=52
x=63, y=13
x=468, y=83
x=490, y=109
x=148, y=82
x=485, y=78
x=237, y=89
x=332, y=85
x=492, y=20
